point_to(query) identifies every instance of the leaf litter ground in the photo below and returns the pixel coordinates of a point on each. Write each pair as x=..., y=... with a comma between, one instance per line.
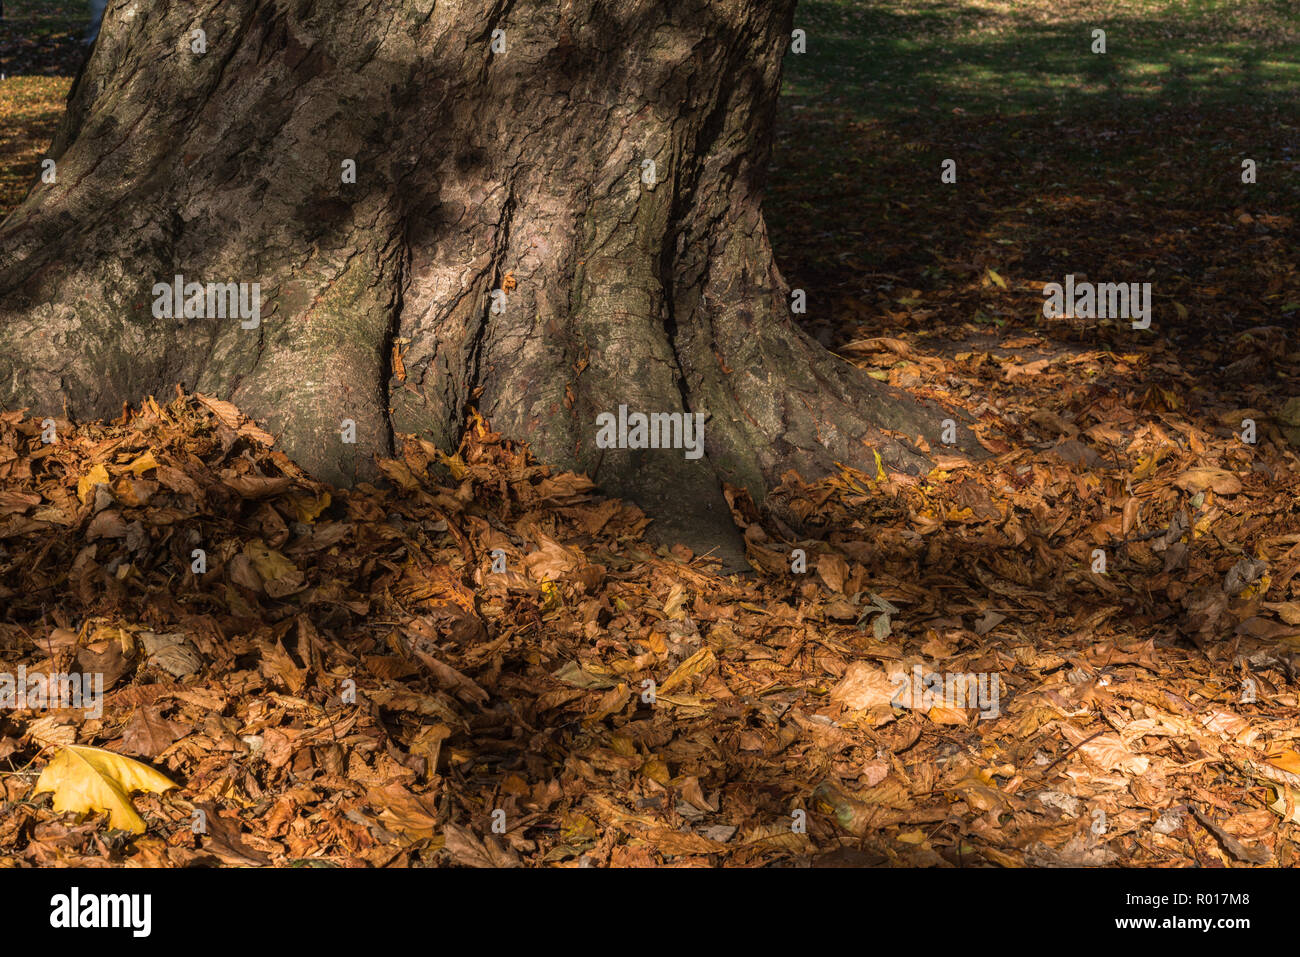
x=1146, y=715
x=521, y=692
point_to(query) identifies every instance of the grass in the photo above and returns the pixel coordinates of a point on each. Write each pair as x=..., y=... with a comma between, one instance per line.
x=37, y=20
x=903, y=56
x=1126, y=164
x=40, y=47
x=31, y=107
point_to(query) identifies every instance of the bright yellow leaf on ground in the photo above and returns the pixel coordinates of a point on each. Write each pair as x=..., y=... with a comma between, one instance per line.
x=86, y=780
x=309, y=507
x=143, y=464
x=86, y=484
x=550, y=596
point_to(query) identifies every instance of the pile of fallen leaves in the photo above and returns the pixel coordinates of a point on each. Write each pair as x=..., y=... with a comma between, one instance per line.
x=345, y=680
x=297, y=674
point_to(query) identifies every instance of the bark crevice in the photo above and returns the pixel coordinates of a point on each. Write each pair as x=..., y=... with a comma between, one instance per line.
x=471, y=166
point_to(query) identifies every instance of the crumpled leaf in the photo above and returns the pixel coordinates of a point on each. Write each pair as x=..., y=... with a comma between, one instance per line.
x=696, y=664
x=309, y=507
x=404, y=812
x=143, y=464
x=171, y=652
x=1287, y=805
x=551, y=561
x=279, y=575
x=574, y=675
x=864, y=686
x=232, y=418
x=1109, y=752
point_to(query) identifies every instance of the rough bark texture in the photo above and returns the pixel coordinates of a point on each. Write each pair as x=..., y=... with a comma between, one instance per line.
x=476, y=170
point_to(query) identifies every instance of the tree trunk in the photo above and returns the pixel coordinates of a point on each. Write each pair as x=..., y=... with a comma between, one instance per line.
x=523, y=170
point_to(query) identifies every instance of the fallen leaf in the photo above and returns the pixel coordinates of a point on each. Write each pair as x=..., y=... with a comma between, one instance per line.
x=86, y=780
x=1202, y=479
x=696, y=664
x=404, y=812
x=149, y=734
x=222, y=838
x=468, y=849
x=143, y=464
x=279, y=575
x=864, y=686
x=98, y=475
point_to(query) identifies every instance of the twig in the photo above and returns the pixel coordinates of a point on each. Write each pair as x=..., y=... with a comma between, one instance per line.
x=1095, y=734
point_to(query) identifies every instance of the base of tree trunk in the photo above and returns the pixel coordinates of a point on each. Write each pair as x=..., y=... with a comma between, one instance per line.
x=543, y=214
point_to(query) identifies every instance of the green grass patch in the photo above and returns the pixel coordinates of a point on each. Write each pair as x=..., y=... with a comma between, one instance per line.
x=31, y=107
x=1124, y=164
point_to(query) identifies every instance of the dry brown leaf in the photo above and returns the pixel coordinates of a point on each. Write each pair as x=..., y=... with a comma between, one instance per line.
x=696, y=664
x=404, y=812
x=231, y=417
x=1108, y=751
x=470, y=850
x=1208, y=479
x=833, y=570
x=551, y=561
x=865, y=686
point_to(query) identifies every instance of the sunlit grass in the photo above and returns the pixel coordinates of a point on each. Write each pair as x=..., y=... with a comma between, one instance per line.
x=31, y=107
x=897, y=54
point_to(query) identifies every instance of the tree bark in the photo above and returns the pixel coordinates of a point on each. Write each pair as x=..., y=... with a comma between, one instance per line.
x=476, y=170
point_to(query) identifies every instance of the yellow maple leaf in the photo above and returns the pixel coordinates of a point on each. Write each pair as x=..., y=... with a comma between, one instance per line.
x=143, y=464
x=86, y=484
x=86, y=779
x=309, y=507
